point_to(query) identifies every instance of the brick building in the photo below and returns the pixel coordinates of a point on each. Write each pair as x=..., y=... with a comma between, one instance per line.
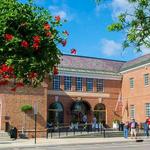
x=84, y=85
x=136, y=89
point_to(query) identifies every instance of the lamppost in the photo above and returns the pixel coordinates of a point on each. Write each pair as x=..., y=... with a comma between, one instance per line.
x=35, y=120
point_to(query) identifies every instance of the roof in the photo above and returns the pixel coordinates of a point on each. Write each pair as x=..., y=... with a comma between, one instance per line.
x=136, y=62
x=90, y=63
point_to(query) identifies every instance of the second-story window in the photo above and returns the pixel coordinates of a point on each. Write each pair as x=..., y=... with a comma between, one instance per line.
x=89, y=84
x=78, y=84
x=56, y=82
x=100, y=85
x=132, y=111
x=146, y=79
x=147, y=109
x=131, y=83
x=67, y=83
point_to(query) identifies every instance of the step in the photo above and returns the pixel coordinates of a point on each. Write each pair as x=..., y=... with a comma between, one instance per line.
x=4, y=136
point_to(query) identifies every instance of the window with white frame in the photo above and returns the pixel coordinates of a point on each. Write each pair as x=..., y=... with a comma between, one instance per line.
x=146, y=79
x=89, y=84
x=78, y=84
x=132, y=111
x=100, y=85
x=67, y=83
x=131, y=83
x=56, y=82
x=147, y=109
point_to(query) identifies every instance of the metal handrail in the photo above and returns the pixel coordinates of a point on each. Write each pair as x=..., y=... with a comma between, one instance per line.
x=81, y=128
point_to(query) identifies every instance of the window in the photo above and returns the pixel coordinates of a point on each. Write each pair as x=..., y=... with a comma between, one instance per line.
x=78, y=84
x=56, y=82
x=132, y=111
x=131, y=83
x=89, y=84
x=67, y=83
x=100, y=85
x=147, y=108
x=146, y=79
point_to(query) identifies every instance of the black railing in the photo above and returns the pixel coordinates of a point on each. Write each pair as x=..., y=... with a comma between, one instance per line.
x=64, y=131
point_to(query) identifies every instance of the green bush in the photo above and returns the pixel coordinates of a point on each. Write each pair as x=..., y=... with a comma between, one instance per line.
x=25, y=108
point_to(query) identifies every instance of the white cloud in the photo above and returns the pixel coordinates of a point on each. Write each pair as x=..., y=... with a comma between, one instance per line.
x=101, y=7
x=110, y=47
x=145, y=50
x=63, y=12
x=119, y=6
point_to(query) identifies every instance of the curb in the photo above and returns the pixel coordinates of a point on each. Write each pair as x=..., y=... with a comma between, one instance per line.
x=65, y=144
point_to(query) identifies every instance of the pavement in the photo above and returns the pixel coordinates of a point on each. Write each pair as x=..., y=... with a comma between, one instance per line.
x=64, y=141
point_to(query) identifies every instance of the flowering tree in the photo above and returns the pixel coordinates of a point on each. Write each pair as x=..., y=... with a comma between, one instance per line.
x=29, y=37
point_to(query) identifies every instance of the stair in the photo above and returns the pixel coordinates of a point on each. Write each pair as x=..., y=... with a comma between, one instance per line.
x=4, y=136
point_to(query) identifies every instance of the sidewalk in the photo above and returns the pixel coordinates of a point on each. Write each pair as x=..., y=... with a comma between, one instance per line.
x=66, y=141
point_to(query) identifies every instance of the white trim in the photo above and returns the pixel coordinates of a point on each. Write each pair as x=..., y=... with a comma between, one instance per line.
x=79, y=94
x=134, y=68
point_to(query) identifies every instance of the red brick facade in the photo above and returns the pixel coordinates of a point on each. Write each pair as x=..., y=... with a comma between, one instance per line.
x=109, y=98
x=138, y=96
x=12, y=103
x=11, y=109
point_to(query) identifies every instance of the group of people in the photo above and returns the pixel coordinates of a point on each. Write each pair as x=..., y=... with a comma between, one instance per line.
x=133, y=127
x=84, y=121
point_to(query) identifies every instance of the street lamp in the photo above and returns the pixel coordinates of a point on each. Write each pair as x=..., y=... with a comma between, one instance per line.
x=35, y=119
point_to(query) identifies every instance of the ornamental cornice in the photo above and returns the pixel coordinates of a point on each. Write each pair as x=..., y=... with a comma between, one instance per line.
x=77, y=94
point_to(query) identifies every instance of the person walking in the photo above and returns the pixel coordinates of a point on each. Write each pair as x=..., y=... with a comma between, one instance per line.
x=84, y=120
x=133, y=127
x=94, y=123
x=126, y=129
x=146, y=128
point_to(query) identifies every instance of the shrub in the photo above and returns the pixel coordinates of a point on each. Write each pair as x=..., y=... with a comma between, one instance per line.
x=25, y=108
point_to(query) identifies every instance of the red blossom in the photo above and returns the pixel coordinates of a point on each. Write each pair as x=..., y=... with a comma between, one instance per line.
x=36, y=46
x=6, y=76
x=5, y=68
x=47, y=26
x=73, y=51
x=63, y=42
x=24, y=44
x=57, y=18
x=36, y=39
x=66, y=32
x=8, y=37
x=48, y=34
x=10, y=69
x=55, y=70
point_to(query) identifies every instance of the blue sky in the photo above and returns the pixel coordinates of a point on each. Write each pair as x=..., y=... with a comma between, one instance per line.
x=87, y=25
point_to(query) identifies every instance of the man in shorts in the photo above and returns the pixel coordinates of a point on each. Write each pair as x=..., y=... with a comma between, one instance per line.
x=133, y=127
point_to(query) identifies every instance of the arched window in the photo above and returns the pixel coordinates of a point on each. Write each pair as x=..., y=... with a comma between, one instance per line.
x=56, y=113
x=100, y=113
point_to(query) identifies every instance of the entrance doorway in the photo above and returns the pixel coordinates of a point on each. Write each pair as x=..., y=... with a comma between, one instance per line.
x=79, y=109
x=100, y=113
